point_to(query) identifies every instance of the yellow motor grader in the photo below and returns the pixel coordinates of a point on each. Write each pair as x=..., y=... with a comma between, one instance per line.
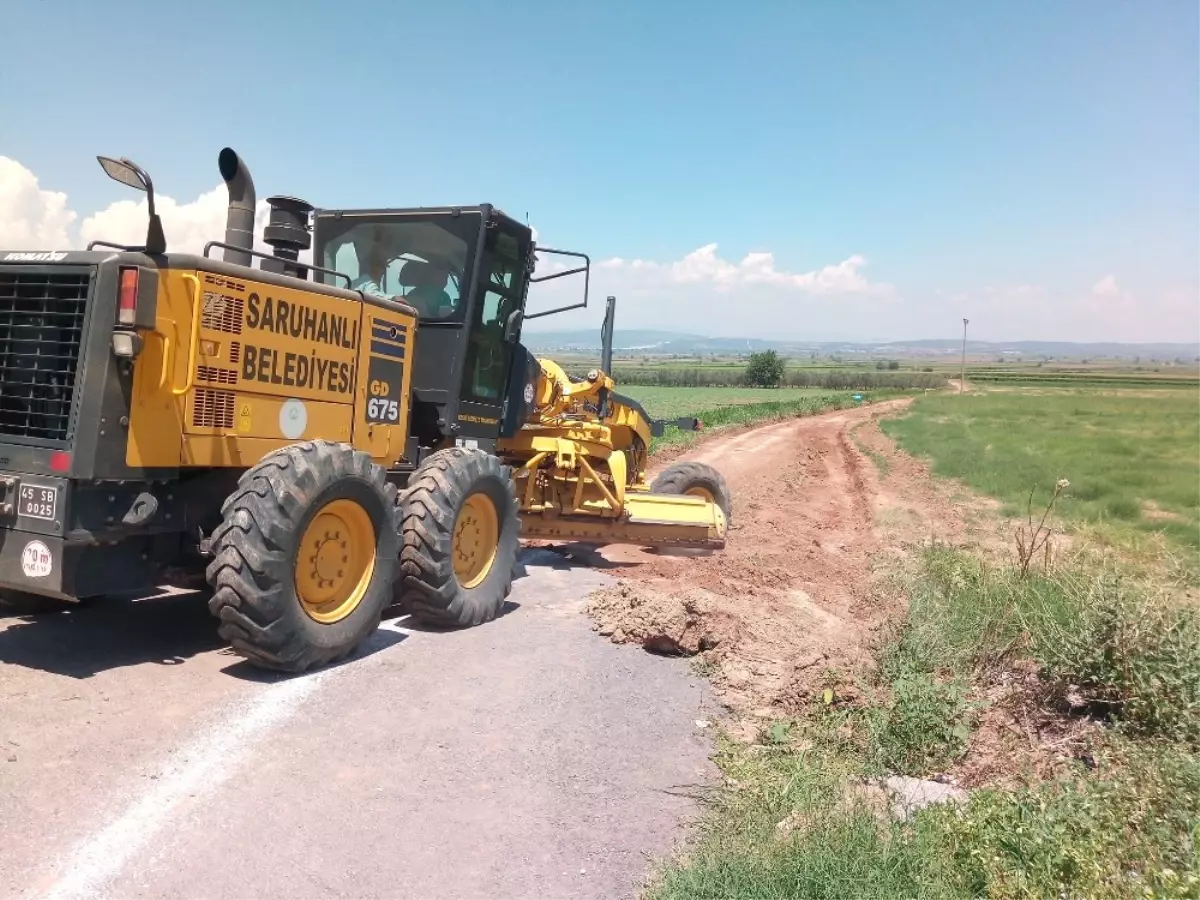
x=320, y=439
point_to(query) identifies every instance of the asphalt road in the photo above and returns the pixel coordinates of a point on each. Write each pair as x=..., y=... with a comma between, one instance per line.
x=524, y=758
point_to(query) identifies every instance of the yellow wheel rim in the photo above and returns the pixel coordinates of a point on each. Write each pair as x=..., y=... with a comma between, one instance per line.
x=476, y=535
x=336, y=561
x=699, y=491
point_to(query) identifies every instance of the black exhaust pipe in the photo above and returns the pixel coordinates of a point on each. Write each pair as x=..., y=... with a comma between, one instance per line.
x=239, y=221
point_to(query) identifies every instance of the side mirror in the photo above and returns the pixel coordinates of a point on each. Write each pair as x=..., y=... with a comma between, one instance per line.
x=129, y=173
x=512, y=326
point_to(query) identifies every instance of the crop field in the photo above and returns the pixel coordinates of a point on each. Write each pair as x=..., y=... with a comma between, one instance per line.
x=1097, y=802
x=1130, y=457
x=1085, y=377
x=671, y=402
x=723, y=407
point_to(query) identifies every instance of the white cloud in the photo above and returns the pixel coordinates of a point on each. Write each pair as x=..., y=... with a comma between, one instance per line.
x=188, y=226
x=31, y=218
x=702, y=292
x=705, y=267
x=1106, y=287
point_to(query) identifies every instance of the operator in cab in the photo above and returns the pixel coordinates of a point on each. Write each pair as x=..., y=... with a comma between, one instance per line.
x=372, y=265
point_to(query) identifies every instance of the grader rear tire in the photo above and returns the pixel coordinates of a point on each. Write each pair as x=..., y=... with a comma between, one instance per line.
x=460, y=536
x=695, y=479
x=304, y=561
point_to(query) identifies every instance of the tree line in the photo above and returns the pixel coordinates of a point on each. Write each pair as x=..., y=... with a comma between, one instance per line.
x=768, y=370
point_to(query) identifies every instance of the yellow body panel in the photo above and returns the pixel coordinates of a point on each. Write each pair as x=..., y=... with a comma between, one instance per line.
x=580, y=478
x=236, y=368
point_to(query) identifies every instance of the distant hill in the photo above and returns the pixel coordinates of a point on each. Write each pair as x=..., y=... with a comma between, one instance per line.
x=667, y=343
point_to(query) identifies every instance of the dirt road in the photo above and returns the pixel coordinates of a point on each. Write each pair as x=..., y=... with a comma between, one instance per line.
x=792, y=604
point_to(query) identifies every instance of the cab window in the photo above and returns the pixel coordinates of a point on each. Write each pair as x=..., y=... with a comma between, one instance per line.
x=418, y=261
x=487, y=356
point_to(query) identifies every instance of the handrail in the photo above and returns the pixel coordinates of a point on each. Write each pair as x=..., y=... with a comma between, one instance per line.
x=194, y=342
x=286, y=262
x=167, y=353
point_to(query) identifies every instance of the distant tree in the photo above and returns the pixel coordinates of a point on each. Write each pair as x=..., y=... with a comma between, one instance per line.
x=893, y=364
x=880, y=365
x=765, y=369
x=927, y=369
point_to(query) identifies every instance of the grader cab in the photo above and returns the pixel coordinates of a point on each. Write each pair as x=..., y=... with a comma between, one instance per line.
x=319, y=439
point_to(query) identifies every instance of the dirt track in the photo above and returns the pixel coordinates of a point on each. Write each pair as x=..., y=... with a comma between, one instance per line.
x=818, y=503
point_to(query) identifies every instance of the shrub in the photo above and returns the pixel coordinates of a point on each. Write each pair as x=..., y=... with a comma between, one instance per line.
x=1132, y=653
x=924, y=726
x=1121, y=831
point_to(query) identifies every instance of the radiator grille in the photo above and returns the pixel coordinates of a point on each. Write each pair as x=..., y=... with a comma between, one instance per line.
x=213, y=409
x=216, y=375
x=222, y=312
x=235, y=352
x=41, y=328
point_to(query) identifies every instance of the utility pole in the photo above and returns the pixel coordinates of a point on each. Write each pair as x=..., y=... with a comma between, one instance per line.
x=962, y=371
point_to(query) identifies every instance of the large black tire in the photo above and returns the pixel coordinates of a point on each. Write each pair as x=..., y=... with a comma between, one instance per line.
x=695, y=478
x=255, y=569
x=20, y=603
x=432, y=512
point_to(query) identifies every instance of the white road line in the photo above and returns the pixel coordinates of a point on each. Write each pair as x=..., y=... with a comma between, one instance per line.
x=197, y=768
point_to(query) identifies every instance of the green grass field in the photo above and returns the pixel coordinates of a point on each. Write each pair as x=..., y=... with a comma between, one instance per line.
x=793, y=818
x=1131, y=458
x=724, y=407
x=672, y=402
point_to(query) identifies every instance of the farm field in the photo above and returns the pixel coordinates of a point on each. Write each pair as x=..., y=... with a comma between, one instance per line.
x=1131, y=458
x=724, y=407
x=669, y=402
x=1059, y=703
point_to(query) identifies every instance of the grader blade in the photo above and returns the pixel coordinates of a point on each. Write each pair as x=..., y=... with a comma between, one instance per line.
x=650, y=520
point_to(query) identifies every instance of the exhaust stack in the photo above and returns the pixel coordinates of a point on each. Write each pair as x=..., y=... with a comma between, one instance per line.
x=239, y=221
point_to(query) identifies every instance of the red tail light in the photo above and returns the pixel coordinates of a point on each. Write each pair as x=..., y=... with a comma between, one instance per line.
x=60, y=461
x=127, y=300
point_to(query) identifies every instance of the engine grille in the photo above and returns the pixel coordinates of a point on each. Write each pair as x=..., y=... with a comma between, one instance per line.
x=213, y=409
x=41, y=329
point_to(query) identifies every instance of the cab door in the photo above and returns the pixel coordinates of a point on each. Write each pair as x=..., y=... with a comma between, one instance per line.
x=499, y=292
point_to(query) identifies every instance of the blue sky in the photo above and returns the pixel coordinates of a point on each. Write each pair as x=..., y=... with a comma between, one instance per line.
x=1031, y=165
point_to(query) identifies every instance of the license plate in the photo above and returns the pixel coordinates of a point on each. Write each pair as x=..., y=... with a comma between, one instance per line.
x=38, y=502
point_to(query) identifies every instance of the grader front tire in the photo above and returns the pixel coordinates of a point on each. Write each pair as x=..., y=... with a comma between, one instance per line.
x=695, y=479
x=304, y=560
x=460, y=532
